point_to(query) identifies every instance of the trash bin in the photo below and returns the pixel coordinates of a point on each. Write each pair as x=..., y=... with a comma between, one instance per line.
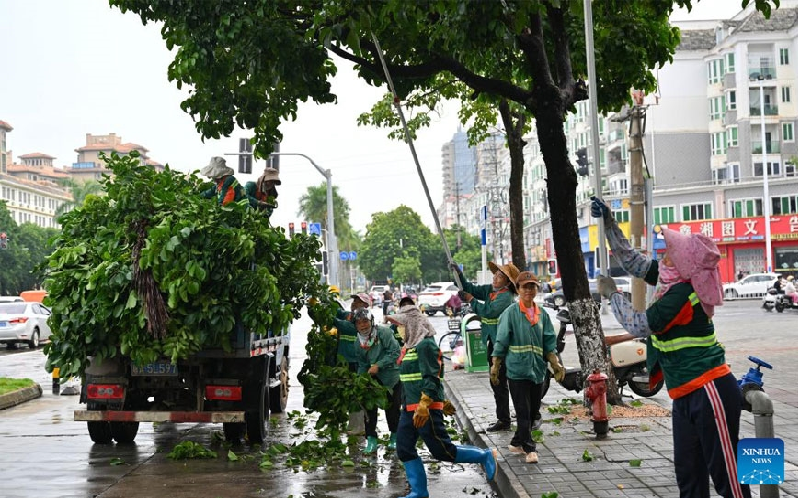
x=476, y=352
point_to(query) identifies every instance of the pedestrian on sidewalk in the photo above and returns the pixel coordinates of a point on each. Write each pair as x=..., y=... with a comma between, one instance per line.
x=488, y=302
x=682, y=346
x=376, y=355
x=525, y=342
x=421, y=369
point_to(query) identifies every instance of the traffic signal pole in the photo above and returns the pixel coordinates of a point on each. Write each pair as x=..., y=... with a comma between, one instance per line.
x=637, y=195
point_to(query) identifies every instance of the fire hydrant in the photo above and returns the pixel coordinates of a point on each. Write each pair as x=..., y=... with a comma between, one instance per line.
x=597, y=394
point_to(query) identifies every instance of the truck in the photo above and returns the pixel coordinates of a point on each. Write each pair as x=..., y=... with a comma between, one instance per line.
x=237, y=388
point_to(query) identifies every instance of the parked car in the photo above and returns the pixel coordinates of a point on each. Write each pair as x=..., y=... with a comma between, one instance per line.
x=433, y=299
x=753, y=285
x=557, y=298
x=376, y=294
x=23, y=323
x=11, y=299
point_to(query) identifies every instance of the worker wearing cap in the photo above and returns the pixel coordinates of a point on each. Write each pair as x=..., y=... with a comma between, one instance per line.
x=262, y=194
x=227, y=190
x=347, y=347
x=525, y=341
x=489, y=301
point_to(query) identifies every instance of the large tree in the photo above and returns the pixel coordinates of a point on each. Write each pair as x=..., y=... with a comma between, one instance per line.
x=28, y=247
x=251, y=62
x=313, y=207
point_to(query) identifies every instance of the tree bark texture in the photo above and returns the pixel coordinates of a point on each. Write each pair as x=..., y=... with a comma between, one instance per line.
x=514, y=127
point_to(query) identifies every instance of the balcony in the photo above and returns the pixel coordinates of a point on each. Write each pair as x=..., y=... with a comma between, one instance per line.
x=772, y=147
x=770, y=110
x=767, y=72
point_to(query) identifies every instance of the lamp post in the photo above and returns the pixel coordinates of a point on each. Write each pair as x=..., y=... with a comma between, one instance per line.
x=332, y=240
x=765, y=172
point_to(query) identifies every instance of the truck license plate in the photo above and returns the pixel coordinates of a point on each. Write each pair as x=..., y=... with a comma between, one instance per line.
x=157, y=369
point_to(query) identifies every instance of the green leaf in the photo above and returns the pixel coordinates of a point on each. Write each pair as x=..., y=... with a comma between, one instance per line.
x=635, y=463
x=231, y=456
x=587, y=456
x=117, y=461
x=131, y=301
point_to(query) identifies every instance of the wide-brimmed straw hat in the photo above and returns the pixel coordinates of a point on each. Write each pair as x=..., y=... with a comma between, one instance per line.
x=271, y=175
x=510, y=270
x=217, y=168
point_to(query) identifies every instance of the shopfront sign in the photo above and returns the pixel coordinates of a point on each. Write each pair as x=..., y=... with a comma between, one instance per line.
x=741, y=229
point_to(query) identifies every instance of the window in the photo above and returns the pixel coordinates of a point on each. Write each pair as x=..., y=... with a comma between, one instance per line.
x=745, y=208
x=621, y=216
x=731, y=135
x=784, y=205
x=788, y=132
x=714, y=71
x=717, y=108
x=731, y=100
x=730, y=62
x=784, y=56
x=774, y=169
x=718, y=143
x=785, y=94
x=696, y=211
x=665, y=214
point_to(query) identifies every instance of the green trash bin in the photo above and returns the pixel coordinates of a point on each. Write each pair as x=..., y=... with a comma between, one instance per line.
x=476, y=352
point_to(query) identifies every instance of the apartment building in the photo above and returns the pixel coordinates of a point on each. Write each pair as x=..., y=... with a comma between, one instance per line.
x=89, y=165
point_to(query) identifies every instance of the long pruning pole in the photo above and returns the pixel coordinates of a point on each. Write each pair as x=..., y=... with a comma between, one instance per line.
x=398, y=104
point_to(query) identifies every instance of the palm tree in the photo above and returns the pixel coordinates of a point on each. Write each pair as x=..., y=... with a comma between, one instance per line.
x=313, y=207
x=79, y=190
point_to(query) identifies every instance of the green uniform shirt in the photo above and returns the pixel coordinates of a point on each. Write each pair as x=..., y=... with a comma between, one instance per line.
x=421, y=370
x=489, y=305
x=229, y=191
x=523, y=345
x=347, y=336
x=683, y=344
x=383, y=353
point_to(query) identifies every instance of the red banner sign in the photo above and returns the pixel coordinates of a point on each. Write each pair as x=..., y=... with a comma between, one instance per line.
x=741, y=229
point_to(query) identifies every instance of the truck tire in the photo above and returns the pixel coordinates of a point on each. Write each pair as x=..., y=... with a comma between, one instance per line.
x=99, y=432
x=124, y=432
x=278, y=396
x=256, y=417
x=234, y=431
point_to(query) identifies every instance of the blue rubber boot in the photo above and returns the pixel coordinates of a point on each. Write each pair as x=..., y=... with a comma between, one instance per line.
x=392, y=442
x=417, y=478
x=472, y=454
x=371, y=445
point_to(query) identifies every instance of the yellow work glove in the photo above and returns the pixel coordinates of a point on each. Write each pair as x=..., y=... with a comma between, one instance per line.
x=494, y=370
x=448, y=408
x=556, y=366
x=421, y=415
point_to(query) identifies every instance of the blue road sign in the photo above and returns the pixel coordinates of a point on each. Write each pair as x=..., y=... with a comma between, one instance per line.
x=315, y=229
x=344, y=255
x=352, y=255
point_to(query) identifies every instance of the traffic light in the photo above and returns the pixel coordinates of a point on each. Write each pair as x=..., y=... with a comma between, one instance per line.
x=304, y=228
x=582, y=162
x=290, y=229
x=552, y=267
x=244, y=156
x=274, y=158
x=3, y=241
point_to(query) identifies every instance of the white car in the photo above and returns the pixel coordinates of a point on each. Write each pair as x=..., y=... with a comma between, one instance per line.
x=376, y=294
x=753, y=285
x=434, y=297
x=23, y=322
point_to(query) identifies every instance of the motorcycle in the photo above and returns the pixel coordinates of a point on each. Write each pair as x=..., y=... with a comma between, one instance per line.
x=778, y=301
x=628, y=361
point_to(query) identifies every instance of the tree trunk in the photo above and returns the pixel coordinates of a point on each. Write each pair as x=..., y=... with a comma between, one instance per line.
x=561, y=181
x=515, y=143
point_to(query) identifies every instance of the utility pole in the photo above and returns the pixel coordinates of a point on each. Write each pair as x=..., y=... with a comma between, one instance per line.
x=457, y=210
x=637, y=193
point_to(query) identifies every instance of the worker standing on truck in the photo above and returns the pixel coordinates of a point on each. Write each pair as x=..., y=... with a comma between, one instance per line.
x=424, y=405
x=377, y=352
x=489, y=301
x=227, y=188
x=262, y=194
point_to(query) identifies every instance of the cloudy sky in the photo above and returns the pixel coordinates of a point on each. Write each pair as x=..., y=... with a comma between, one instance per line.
x=72, y=67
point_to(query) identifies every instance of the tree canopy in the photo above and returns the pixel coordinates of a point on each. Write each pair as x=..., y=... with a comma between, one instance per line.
x=28, y=247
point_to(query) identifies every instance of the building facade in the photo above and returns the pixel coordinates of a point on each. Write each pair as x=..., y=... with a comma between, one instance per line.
x=89, y=165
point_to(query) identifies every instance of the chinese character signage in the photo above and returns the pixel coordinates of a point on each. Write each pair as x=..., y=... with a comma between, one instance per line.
x=741, y=229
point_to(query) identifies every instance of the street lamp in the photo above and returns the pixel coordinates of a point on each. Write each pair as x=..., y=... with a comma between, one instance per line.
x=332, y=240
x=765, y=172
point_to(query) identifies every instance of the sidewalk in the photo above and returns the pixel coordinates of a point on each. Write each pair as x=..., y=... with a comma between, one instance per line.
x=562, y=468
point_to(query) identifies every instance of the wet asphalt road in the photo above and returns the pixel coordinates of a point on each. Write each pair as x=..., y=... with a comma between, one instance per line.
x=44, y=453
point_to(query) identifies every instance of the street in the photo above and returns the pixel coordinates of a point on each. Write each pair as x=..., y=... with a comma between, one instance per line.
x=44, y=453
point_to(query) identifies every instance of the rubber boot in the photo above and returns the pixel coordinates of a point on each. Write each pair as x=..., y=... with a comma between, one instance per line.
x=472, y=454
x=417, y=479
x=392, y=443
x=371, y=445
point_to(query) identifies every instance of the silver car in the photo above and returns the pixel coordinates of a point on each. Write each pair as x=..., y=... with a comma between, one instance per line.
x=23, y=323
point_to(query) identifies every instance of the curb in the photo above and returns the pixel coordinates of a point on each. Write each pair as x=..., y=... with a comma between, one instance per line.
x=506, y=481
x=20, y=396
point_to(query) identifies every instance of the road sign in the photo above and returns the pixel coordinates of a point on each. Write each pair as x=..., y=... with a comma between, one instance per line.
x=344, y=255
x=352, y=255
x=314, y=229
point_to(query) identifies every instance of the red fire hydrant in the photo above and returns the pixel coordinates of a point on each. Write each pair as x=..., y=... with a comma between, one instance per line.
x=597, y=394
